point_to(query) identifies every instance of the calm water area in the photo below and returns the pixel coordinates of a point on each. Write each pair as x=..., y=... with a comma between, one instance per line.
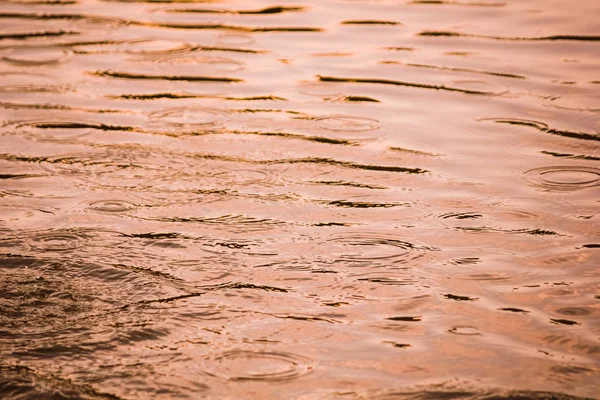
x=299, y=199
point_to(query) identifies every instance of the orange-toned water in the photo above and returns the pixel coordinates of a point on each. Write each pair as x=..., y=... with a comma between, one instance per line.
x=312, y=199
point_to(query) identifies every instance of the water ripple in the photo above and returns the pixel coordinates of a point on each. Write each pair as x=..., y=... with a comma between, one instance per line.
x=348, y=164
x=472, y=71
x=485, y=3
x=585, y=38
x=240, y=28
x=406, y=84
x=156, y=47
x=343, y=123
x=368, y=246
x=246, y=365
x=240, y=177
x=19, y=381
x=112, y=206
x=194, y=63
x=188, y=118
x=462, y=390
x=35, y=56
x=563, y=178
x=58, y=240
x=262, y=11
x=369, y=22
x=543, y=127
x=464, y=330
x=28, y=35
x=211, y=198
x=22, y=82
x=53, y=129
x=189, y=78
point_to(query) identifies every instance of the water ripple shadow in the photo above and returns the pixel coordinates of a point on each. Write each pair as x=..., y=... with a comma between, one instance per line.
x=188, y=78
x=236, y=28
x=263, y=11
x=28, y=35
x=543, y=127
x=585, y=38
x=405, y=84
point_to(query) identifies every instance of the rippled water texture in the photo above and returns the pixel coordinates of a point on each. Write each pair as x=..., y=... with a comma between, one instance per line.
x=312, y=199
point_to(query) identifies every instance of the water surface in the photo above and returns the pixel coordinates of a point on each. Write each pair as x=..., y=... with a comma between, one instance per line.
x=299, y=199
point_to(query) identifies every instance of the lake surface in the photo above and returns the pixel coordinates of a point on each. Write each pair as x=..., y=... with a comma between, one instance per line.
x=299, y=199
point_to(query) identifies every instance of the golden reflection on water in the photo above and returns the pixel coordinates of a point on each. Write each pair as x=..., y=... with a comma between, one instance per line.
x=300, y=200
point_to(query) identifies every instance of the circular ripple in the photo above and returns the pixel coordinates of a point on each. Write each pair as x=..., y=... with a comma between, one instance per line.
x=112, y=206
x=479, y=86
x=21, y=82
x=341, y=123
x=35, y=56
x=241, y=177
x=579, y=102
x=320, y=89
x=363, y=246
x=156, y=47
x=221, y=64
x=53, y=129
x=91, y=23
x=188, y=117
x=115, y=171
x=60, y=240
x=563, y=178
x=243, y=365
x=464, y=330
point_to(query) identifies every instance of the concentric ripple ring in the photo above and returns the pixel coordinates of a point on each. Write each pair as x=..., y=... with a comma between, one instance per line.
x=563, y=178
x=244, y=365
